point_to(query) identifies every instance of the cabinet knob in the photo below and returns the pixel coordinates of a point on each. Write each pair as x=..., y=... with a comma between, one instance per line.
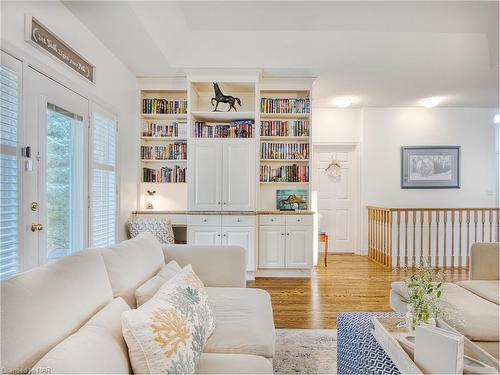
x=288, y=234
x=238, y=220
x=218, y=203
x=218, y=234
x=224, y=203
x=224, y=235
x=282, y=234
x=272, y=219
x=205, y=220
x=298, y=219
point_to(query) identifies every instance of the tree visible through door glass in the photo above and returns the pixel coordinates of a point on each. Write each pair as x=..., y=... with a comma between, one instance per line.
x=65, y=182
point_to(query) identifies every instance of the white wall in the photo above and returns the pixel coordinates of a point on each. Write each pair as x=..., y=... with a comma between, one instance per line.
x=115, y=86
x=382, y=132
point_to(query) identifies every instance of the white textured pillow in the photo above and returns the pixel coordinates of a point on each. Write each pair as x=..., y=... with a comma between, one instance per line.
x=96, y=348
x=150, y=287
x=167, y=334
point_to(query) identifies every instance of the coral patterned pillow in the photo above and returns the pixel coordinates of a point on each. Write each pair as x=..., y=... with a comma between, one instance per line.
x=167, y=334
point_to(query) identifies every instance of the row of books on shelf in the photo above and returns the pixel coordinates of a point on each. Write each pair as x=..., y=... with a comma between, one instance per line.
x=292, y=151
x=235, y=129
x=284, y=105
x=285, y=173
x=172, y=151
x=162, y=129
x=165, y=174
x=290, y=128
x=164, y=106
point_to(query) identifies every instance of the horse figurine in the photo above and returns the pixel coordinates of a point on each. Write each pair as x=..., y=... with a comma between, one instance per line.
x=220, y=97
x=291, y=201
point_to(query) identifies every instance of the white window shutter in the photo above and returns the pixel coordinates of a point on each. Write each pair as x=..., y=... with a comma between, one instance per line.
x=103, y=192
x=9, y=257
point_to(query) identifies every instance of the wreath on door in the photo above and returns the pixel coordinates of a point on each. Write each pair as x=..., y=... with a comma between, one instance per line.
x=333, y=169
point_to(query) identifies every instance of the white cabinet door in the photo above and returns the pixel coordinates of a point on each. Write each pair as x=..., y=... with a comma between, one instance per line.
x=272, y=247
x=204, y=235
x=244, y=237
x=205, y=175
x=238, y=175
x=299, y=247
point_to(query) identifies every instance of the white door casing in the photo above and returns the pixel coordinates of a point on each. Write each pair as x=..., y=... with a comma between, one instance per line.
x=338, y=196
x=39, y=90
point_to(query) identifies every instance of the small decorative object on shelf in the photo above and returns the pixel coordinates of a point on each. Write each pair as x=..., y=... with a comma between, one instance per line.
x=291, y=200
x=221, y=98
x=150, y=197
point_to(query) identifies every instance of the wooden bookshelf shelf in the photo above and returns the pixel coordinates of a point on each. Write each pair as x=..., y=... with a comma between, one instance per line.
x=284, y=115
x=165, y=116
x=209, y=116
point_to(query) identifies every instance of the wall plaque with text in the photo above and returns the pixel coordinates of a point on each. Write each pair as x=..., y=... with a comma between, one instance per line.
x=37, y=34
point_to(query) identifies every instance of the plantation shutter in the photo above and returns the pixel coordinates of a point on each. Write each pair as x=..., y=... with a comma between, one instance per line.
x=103, y=206
x=9, y=257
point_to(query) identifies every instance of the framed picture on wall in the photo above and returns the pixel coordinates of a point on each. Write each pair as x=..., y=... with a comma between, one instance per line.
x=430, y=167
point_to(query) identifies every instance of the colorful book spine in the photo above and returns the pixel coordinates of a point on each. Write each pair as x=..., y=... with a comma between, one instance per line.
x=236, y=129
x=158, y=129
x=279, y=128
x=285, y=105
x=164, y=174
x=172, y=151
x=284, y=173
x=290, y=151
x=164, y=106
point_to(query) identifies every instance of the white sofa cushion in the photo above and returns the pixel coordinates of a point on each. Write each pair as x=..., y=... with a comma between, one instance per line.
x=96, y=348
x=487, y=289
x=244, y=322
x=167, y=334
x=216, y=363
x=45, y=305
x=150, y=287
x=130, y=263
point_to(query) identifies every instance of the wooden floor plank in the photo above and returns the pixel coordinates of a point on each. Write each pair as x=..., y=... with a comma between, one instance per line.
x=349, y=283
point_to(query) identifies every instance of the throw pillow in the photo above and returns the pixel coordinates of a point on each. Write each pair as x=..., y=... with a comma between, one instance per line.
x=150, y=287
x=167, y=334
x=160, y=228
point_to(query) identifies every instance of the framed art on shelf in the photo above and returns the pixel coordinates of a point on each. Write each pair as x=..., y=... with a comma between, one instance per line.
x=430, y=167
x=291, y=199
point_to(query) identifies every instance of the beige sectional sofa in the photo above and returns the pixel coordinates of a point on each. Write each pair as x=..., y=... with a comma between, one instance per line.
x=475, y=302
x=65, y=305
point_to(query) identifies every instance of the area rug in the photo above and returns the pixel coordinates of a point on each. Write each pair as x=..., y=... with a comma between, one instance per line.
x=305, y=351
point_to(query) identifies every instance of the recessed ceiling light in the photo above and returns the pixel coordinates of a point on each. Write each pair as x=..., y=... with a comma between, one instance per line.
x=431, y=102
x=342, y=102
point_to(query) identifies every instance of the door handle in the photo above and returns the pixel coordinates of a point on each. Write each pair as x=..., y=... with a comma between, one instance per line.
x=36, y=227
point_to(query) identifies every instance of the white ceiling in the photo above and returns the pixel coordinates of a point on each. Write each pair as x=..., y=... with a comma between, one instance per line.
x=380, y=53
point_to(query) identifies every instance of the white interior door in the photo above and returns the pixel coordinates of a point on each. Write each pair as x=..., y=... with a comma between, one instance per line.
x=55, y=172
x=337, y=196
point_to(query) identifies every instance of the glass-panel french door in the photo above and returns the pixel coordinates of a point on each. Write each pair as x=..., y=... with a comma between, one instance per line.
x=54, y=170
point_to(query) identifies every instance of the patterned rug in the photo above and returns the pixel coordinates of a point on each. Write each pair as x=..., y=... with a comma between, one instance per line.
x=305, y=351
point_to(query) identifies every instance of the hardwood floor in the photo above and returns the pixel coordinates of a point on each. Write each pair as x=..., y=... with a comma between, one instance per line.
x=349, y=283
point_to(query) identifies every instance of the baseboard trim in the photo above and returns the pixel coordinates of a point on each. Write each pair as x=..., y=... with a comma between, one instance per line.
x=284, y=273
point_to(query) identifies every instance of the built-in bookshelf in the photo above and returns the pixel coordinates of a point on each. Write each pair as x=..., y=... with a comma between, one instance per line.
x=284, y=138
x=163, y=137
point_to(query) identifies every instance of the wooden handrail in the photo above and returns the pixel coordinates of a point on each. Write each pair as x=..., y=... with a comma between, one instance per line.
x=410, y=237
